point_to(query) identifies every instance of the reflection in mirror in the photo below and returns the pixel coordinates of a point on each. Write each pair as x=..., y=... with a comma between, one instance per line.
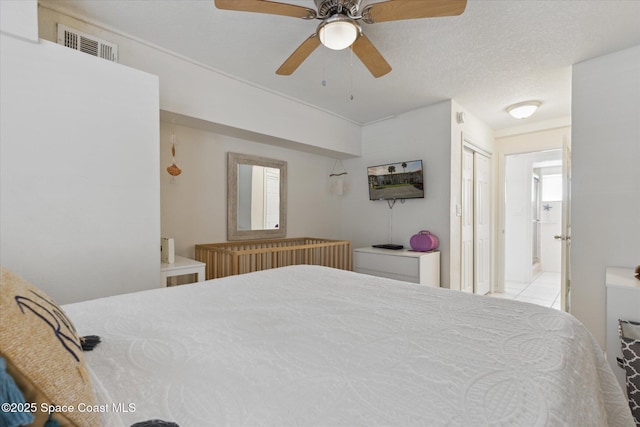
x=256, y=197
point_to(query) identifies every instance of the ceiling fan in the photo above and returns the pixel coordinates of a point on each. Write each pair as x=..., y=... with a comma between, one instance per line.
x=340, y=29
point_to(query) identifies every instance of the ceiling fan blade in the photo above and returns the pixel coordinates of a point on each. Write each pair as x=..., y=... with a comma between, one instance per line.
x=394, y=10
x=370, y=56
x=270, y=7
x=299, y=55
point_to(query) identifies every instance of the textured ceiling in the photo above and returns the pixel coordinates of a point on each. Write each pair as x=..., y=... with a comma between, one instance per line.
x=495, y=54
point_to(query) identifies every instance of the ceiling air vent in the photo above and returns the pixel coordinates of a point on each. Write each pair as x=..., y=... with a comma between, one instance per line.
x=70, y=37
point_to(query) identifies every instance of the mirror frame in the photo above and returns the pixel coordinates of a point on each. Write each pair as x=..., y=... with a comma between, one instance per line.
x=235, y=159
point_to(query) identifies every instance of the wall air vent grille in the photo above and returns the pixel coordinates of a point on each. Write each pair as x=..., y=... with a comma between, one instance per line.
x=74, y=39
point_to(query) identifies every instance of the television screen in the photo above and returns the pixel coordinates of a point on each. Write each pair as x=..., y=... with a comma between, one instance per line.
x=402, y=180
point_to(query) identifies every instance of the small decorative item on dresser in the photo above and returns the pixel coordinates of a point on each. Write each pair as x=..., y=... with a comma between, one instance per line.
x=424, y=241
x=637, y=273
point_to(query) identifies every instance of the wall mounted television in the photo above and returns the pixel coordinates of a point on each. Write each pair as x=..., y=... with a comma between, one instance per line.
x=391, y=181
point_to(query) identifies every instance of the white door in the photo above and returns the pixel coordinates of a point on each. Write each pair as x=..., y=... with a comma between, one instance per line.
x=466, y=249
x=482, y=224
x=565, y=237
x=272, y=198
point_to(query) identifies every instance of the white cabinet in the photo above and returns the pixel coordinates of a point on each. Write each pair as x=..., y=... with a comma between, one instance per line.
x=623, y=302
x=410, y=266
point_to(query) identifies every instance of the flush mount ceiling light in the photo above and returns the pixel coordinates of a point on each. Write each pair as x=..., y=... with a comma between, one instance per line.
x=338, y=32
x=522, y=110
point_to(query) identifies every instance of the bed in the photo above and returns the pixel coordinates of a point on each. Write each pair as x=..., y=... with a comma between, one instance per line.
x=315, y=346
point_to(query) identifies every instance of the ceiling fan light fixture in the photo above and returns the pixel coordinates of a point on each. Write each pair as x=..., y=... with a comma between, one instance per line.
x=522, y=110
x=338, y=32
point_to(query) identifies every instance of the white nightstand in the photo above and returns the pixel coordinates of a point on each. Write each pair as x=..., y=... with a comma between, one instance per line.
x=403, y=264
x=170, y=273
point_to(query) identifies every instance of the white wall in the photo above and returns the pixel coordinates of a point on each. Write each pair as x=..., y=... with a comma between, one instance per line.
x=550, y=248
x=550, y=223
x=420, y=134
x=19, y=18
x=194, y=204
x=606, y=178
x=517, y=227
x=79, y=190
x=199, y=92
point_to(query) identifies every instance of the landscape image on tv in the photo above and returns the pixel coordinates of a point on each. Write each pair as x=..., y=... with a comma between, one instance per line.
x=402, y=180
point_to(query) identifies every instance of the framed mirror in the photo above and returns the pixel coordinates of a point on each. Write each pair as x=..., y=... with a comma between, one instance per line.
x=256, y=197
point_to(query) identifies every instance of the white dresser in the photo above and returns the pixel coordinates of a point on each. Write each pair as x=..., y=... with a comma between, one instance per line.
x=623, y=302
x=403, y=264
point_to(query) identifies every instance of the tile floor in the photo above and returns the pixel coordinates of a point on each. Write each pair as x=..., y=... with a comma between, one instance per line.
x=544, y=290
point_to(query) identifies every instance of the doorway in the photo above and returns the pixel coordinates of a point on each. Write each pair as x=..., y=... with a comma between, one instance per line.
x=533, y=207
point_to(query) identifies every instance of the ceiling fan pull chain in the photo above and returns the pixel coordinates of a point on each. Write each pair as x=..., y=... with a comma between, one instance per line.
x=324, y=67
x=351, y=75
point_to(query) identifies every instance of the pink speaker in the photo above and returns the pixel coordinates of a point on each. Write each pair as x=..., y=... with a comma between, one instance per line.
x=424, y=241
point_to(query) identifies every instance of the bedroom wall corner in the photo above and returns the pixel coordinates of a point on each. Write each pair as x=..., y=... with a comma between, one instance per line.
x=79, y=190
x=605, y=179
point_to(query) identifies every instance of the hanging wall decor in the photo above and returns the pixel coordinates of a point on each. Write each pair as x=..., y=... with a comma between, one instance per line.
x=173, y=170
x=338, y=185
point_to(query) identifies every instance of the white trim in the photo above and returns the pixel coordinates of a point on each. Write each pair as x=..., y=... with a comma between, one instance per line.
x=466, y=143
x=534, y=127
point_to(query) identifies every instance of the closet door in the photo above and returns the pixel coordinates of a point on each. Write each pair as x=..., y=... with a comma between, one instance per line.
x=467, y=231
x=475, y=251
x=482, y=224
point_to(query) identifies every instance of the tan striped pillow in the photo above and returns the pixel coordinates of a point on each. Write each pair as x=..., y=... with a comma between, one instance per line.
x=43, y=353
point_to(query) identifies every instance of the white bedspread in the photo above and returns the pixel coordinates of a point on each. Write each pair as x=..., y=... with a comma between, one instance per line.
x=312, y=346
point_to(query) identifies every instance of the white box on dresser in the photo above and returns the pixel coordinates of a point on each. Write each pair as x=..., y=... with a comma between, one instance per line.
x=623, y=302
x=403, y=264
